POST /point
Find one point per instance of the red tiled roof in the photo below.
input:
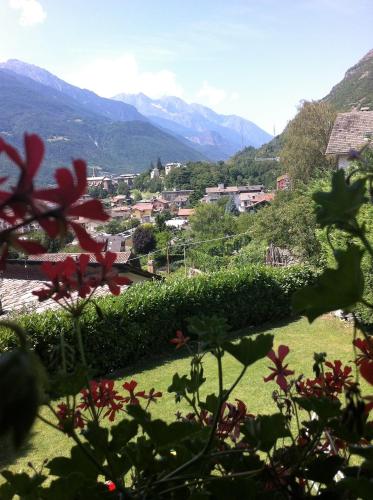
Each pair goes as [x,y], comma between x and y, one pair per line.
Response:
[185,212]
[122,257]
[143,206]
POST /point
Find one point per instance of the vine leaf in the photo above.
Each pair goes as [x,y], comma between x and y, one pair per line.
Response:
[335,289]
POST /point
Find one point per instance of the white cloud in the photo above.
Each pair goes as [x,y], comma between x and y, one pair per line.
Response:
[31,11]
[109,77]
[213,96]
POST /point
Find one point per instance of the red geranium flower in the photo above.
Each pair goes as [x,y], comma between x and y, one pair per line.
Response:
[366,348]
[132,399]
[66,196]
[103,396]
[110,276]
[151,397]
[21,196]
[179,340]
[280,372]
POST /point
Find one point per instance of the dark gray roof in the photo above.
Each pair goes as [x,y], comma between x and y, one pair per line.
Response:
[350,131]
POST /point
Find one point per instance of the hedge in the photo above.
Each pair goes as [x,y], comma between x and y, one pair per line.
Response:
[145,317]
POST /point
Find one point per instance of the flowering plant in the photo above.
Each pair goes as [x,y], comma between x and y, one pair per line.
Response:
[215,448]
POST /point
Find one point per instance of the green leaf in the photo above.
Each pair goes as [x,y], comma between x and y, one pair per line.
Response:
[163,434]
[20,484]
[335,289]
[212,330]
[323,469]
[179,384]
[236,489]
[264,431]
[122,433]
[20,390]
[77,463]
[248,351]
[342,203]
[210,404]
[361,488]
[70,384]
[324,408]
[78,487]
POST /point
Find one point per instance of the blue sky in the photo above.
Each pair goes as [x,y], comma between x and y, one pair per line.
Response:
[257,58]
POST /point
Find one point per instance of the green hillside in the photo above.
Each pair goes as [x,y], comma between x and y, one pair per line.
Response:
[356,88]
[71,130]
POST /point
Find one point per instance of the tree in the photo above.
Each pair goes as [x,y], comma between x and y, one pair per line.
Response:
[305,141]
[160,220]
[289,222]
[143,239]
[123,188]
[230,207]
[159,164]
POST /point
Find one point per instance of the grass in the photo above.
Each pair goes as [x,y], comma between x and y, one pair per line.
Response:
[326,334]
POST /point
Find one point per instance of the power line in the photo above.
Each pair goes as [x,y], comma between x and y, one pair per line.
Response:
[187,244]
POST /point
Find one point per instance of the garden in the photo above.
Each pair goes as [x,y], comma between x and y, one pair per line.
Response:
[244,407]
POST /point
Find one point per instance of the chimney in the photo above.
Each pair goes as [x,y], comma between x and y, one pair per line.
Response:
[151,266]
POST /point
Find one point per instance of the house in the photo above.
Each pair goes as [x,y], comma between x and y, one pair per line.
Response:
[213,194]
[171,166]
[120,212]
[171,196]
[283,182]
[126,178]
[185,213]
[103,182]
[159,204]
[251,201]
[154,174]
[119,200]
[143,210]
[351,131]
[22,277]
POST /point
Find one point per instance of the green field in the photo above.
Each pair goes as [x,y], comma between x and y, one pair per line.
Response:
[326,334]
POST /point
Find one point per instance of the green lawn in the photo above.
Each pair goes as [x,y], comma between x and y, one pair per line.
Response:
[327,334]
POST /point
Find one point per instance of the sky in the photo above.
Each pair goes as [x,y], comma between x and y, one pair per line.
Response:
[254,58]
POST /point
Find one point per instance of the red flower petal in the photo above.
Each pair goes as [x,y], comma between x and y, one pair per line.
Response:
[80,168]
[91,209]
[31,247]
[366,370]
[283,351]
[65,181]
[34,154]
[12,153]
[85,241]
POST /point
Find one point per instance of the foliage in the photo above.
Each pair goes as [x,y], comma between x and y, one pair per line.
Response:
[240,170]
[289,222]
[217,449]
[132,321]
[115,226]
[305,141]
[144,239]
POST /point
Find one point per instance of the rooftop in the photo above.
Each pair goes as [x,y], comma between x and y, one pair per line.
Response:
[350,131]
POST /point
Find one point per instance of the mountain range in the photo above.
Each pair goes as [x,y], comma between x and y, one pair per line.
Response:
[108,133]
[356,88]
[354,91]
[217,136]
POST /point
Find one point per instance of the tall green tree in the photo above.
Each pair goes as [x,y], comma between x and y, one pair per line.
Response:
[305,141]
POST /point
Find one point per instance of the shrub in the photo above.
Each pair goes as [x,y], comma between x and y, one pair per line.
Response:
[145,317]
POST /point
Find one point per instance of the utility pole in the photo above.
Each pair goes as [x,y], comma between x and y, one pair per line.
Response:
[185,266]
[168,257]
